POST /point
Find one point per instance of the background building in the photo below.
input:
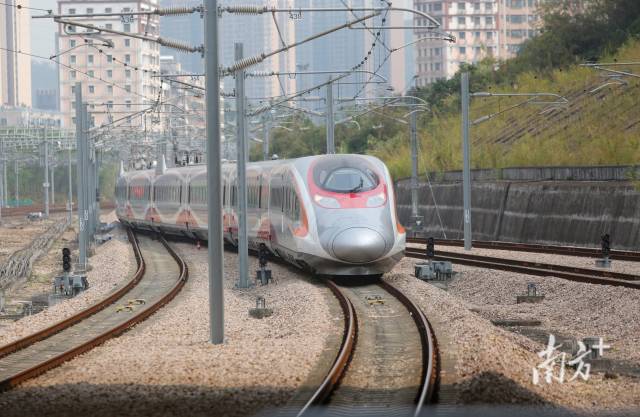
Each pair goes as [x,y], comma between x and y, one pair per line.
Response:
[188,29]
[26,117]
[15,69]
[116,80]
[184,125]
[488,28]
[259,34]
[340,50]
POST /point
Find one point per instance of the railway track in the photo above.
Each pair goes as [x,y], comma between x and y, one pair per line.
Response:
[529,247]
[158,279]
[387,362]
[591,276]
[58,208]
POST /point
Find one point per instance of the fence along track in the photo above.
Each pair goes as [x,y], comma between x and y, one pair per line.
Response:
[20,262]
[159,281]
[332,382]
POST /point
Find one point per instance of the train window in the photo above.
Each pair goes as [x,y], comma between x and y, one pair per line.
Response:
[345,174]
[348,180]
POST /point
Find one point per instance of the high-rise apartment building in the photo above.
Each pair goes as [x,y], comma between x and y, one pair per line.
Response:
[259,34]
[15,68]
[487,28]
[339,50]
[188,29]
[116,80]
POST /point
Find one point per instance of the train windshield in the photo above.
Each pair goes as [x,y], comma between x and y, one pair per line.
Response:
[345,175]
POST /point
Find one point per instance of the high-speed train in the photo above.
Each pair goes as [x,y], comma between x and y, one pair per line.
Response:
[329,214]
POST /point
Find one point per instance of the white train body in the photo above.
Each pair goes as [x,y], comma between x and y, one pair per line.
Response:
[330,214]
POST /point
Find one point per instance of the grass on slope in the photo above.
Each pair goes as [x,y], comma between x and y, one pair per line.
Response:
[601,128]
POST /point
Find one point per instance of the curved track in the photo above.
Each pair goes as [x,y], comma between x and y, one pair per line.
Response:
[162,277]
[591,276]
[387,363]
[620,255]
[58,208]
[76,318]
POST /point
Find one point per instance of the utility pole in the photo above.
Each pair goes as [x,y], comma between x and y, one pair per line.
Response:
[96,189]
[2,191]
[466,171]
[214,173]
[53,184]
[17,190]
[45,186]
[89,179]
[241,148]
[331,144]
[5,187]
[80,144]
[70,197]
[414,169]
[267,136]
[3,172]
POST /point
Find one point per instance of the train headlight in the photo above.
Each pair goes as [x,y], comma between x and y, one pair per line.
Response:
[376,200]
[327,202]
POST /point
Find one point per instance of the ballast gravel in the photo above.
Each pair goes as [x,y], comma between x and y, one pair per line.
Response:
[18,232]
[625,267]
[495,366]
[166,365]
[112,266]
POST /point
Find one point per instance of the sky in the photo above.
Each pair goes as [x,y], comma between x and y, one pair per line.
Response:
[43,31]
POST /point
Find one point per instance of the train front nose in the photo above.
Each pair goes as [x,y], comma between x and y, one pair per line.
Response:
[358,245]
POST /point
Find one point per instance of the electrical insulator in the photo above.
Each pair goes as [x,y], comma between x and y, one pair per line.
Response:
[66,259]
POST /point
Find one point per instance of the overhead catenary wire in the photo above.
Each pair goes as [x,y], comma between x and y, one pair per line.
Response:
[20,7]
[250,61]
[77,70]
[169,43]
[162,11]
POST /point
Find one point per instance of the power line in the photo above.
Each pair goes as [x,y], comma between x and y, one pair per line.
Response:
[77,70]
[20,7]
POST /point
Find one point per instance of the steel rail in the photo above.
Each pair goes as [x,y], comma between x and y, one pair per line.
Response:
[345,352]
[590,276]
[63,357]
[430,359]
[84,314]
[429,350]
[59,208]
[620,255]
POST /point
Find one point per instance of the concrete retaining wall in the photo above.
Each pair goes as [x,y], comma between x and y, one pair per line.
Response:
[594,173]
[549,212]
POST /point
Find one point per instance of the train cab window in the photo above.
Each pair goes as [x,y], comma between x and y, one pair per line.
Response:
[349,180]
[345,174]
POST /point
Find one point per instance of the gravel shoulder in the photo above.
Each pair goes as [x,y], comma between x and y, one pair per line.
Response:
[626,267]
[166,365]
[112,266]
[18,232]
[494,366]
